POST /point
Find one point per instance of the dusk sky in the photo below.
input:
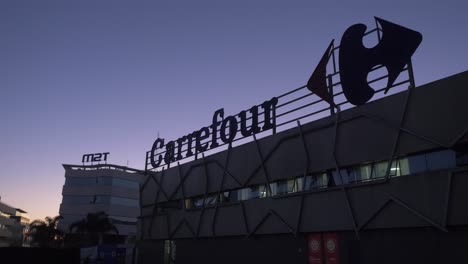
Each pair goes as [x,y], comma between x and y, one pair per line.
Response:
[93,76]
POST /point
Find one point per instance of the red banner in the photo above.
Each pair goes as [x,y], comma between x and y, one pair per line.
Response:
[332,252]
[314,248]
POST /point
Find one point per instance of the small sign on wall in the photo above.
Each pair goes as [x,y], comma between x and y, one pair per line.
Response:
[314,248]
[332,253]
[323,248]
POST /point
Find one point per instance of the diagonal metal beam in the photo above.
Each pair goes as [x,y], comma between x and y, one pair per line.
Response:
[448,193]
[244,216]
[374,214]
[398,133]
[415,212]
[215,214]
[262,163]
[350,210]
[155,207]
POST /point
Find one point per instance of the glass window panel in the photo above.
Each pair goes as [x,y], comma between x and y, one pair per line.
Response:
[104,180]
[231,196]
[253,192]
[323,180]
[263,191]
[350,175]
[273,188]
[441,160]
[198,202]
[281,187]
[188,203]
[364,172]
[395,169]
[125,183]
[124,201]
[292,185]
[379,170]
[404,166]
[316,181]
[299,184]
[344,177]
[417,163]
[358,174]
[211,200]
[462,158]
[75,181]
[242,194]
[72,199]
[124,219]
[68,219]
[102,199]
[258,191]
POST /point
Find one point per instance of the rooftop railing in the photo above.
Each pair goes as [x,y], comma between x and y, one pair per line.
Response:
[302,105]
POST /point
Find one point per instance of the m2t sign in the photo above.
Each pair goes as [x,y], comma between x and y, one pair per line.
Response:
[96,157]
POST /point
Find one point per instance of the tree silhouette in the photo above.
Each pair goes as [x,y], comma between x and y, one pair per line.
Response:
[95,225]
[44,233]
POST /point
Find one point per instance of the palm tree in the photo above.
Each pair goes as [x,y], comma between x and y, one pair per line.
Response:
[44,233]
[94,225]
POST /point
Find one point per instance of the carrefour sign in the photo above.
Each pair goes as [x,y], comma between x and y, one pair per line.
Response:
[393,52]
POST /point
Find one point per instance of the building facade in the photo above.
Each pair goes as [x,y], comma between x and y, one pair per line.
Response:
[384,182]
[101,188]
[13,226]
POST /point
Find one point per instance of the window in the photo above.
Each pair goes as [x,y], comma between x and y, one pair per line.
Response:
[404,166]
[126,183]
[125,201]
[68,219]
[73,199]
[75,181]
[228,197]
[441,160]
[124,218]
[188,203]
[105,199]
[315,181]
[349,175]
[102,199]
[462,156]
[259,191]
[104,180]
[357,174]
[286,186]
[198,202]
[208,201]
[379,170]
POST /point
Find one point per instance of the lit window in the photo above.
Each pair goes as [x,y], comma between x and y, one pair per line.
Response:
[286,186]
[259,191]
[379,170]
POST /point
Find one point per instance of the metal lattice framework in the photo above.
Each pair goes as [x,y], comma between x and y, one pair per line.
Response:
[294,107]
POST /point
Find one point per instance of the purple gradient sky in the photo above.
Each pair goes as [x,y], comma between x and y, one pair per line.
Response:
[92,76]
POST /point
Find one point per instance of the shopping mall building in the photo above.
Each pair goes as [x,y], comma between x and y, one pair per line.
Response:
[382,182]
